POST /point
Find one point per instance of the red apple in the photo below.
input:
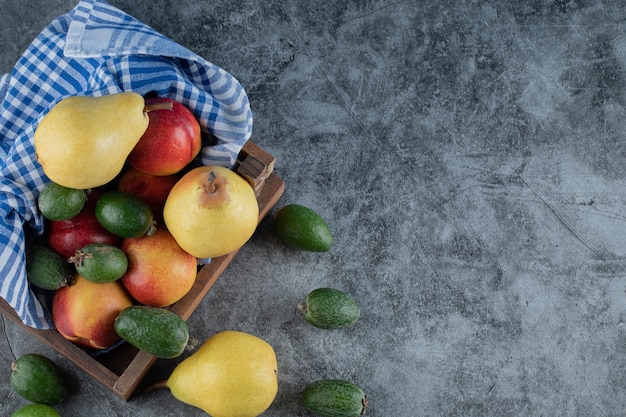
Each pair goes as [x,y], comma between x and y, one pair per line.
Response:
[153,189]
[171,141]
[67,236]
[84,313]
[159,271]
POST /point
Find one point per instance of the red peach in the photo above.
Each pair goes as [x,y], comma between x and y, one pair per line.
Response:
[85,312]
[159,271]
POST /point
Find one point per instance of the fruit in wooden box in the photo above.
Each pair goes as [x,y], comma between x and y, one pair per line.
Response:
[84,313]
[158,331]
[83,142]
[46,269]
[159,271]
[99,262]
[57,202]
[171,141]
[124,215]
[211,211]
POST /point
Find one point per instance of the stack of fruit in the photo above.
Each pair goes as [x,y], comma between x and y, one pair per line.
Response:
[128,216]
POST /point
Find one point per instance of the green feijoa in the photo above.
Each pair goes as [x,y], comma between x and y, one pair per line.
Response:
[47,269]
[155,330]
[328,308]
[38,379]
[36,410]
[100,262]
[57,202]
[124,214]
[303,228]
[334,398]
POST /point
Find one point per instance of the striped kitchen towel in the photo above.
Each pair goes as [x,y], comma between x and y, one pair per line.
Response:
[96,49]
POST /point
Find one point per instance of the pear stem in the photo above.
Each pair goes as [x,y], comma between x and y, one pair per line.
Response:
[210,187]
[165,105]
[156,385]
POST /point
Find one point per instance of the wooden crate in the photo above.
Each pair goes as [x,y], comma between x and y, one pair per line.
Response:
[122,369]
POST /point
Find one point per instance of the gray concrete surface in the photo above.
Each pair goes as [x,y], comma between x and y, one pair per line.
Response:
[470,158]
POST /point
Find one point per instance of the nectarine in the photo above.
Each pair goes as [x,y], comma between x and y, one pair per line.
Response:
[85,313]
[159,271]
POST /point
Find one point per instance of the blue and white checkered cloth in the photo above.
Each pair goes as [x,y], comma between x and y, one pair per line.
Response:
[94,50]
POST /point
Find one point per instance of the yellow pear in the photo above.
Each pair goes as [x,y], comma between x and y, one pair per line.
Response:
[211,211]
[233,374]
[83,142]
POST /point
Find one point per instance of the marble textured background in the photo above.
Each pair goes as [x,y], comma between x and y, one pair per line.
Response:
[470,158]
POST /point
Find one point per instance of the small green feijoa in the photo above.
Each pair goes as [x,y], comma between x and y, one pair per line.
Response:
[47,269]
[302,228]
[57,202]
[334,398]
[328,308]
[38,379]
[36,410]
[125,215]
[155,330]
[100,262]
